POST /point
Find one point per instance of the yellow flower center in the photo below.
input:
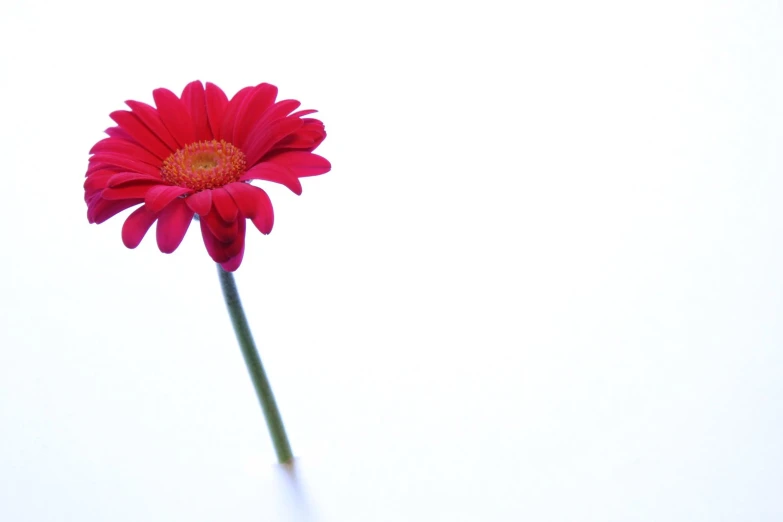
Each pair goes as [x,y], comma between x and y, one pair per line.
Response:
[204,165]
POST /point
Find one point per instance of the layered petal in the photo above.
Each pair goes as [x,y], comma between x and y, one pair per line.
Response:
[159,196]
[175,116]
[194,98]
[200,202]
[137,225]
[128,191]
[132,125]
[215,248]
[126,148]
[305,112]
[276,173]
[262,121]
[103,209]
[230,115]
[223,251]
[118,133]
[173,222]
[217,101]
[307,137]
[233,263]
[124,162]
[119,179]
[276,112]
[253,203]
[301,163]
[151,118]
[253,106]
[97,181]
[224,231]
[264,139]
[224,205]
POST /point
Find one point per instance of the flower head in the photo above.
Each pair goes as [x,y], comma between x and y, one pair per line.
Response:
[197,154]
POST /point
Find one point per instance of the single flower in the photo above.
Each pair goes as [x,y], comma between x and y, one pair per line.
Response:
[197,154]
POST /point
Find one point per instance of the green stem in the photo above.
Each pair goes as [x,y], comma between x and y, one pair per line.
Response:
[260,382]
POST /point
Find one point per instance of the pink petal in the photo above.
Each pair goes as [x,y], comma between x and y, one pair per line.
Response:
[273,113]
[150,116]
[253,106]
[159,196]
[233,263]
[279,110]
[224,205]
[299,114]
[307,138]
[253,203]
[104,209]
[230,114]
[127,148]
[262,140]
[122,178]
[195,101]
[92,200]
[96,166]
[103,171]
[125,163]
[302,163]
[132,125]
[117,132]
[134,191]
[220,252]
[216,106]
[175,116]
[136,226]
[98,181]
[223,231]
[173,223]
[276,173]
[105,174]
[200,202]
[215,248]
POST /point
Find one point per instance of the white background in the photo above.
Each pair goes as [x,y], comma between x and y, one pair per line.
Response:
[542,281]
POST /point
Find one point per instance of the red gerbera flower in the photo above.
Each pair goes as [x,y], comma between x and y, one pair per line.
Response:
[197,154]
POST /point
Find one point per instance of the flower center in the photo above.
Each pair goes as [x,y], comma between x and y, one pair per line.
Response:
[204,165]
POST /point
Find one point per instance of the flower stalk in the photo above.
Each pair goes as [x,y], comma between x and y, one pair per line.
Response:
[260,381]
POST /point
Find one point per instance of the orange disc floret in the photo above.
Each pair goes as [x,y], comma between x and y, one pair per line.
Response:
[204,165]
